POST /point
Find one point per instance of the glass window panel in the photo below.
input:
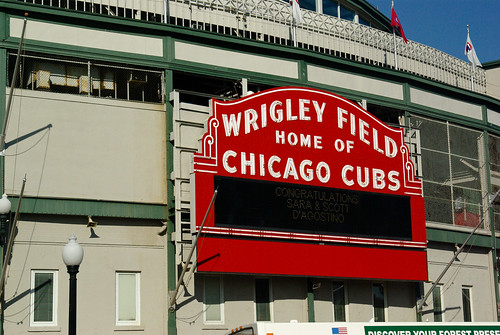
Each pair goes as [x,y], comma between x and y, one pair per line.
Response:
[213,299]
[437,303]
[494,149]
[438,210]
[43,309]
[308,4]
[363,22]
[339,302]
[464,142]
[127,298]
[466,304]
[467,199]
[434,190]
[495,174]
[433,134]
[435,166]
[378,303]
[330,8]
[468,207]
[465,172]
[496,216]
[262,300]
[346,14]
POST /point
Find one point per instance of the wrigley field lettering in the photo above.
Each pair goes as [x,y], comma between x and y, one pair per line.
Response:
[315,171]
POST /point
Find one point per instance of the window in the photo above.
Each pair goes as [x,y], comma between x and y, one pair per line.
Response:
[71,76]
[213,300]
[262,299]
[43,298]
[454,172]
[466,304]
[378,303]
[437,299]
[128,298]
[308,4]
[346,14]
[331,8]
[339,302]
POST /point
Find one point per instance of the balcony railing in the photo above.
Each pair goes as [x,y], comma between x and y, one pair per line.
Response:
[269,21]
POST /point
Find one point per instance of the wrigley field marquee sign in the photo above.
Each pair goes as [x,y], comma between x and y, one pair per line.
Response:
[308,183]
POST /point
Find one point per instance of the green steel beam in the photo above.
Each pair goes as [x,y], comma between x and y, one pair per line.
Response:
[170,212]
[310,301]
[448,236]
[89,207]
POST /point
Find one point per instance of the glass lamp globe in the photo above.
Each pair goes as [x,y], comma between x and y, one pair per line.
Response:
[5,205]
[72,252]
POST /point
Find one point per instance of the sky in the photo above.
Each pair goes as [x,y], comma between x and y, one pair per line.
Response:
[442,24]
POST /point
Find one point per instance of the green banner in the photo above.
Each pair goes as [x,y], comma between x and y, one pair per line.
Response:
[433,330]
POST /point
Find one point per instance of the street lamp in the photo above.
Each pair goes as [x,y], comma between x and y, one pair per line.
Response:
[5,206]
[72,255]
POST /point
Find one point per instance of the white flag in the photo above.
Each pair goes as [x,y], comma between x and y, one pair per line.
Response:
[296,11]
[471,53]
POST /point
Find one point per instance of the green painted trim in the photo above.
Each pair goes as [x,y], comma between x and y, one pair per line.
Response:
[302,71]
[492,219]
[3,26]
[32,205]
[310,301]
[3,97]
[485,115]
[171,266]
[3,107]
[450,236]
[491,65]
[169,49]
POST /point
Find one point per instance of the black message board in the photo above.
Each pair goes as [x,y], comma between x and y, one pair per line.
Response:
[264,205]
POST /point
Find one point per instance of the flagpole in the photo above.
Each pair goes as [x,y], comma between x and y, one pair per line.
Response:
[472,66]
[394,38]
[294,33]
[293,24]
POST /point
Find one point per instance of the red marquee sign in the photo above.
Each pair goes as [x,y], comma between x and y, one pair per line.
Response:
[309,184]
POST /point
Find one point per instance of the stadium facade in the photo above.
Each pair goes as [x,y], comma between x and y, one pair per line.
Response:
[113,132]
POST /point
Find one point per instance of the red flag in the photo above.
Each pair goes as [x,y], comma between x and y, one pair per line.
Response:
[395,23]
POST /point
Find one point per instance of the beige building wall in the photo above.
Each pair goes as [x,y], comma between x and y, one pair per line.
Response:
[473,269]
[493,82]
[121,245]
[86,148]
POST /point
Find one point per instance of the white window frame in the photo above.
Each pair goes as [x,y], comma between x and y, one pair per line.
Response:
[221,302]
[469,288]
[52,323]
[386,316]
[271,300]
[137,320]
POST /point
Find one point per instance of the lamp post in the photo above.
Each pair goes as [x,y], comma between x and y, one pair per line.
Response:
[5,206]
[72,255]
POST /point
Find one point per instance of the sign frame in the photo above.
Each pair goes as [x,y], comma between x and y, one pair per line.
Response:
[305,137]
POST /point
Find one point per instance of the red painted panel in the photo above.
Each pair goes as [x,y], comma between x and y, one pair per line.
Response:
[228,255]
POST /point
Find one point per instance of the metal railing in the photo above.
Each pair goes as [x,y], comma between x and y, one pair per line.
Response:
[269,21]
